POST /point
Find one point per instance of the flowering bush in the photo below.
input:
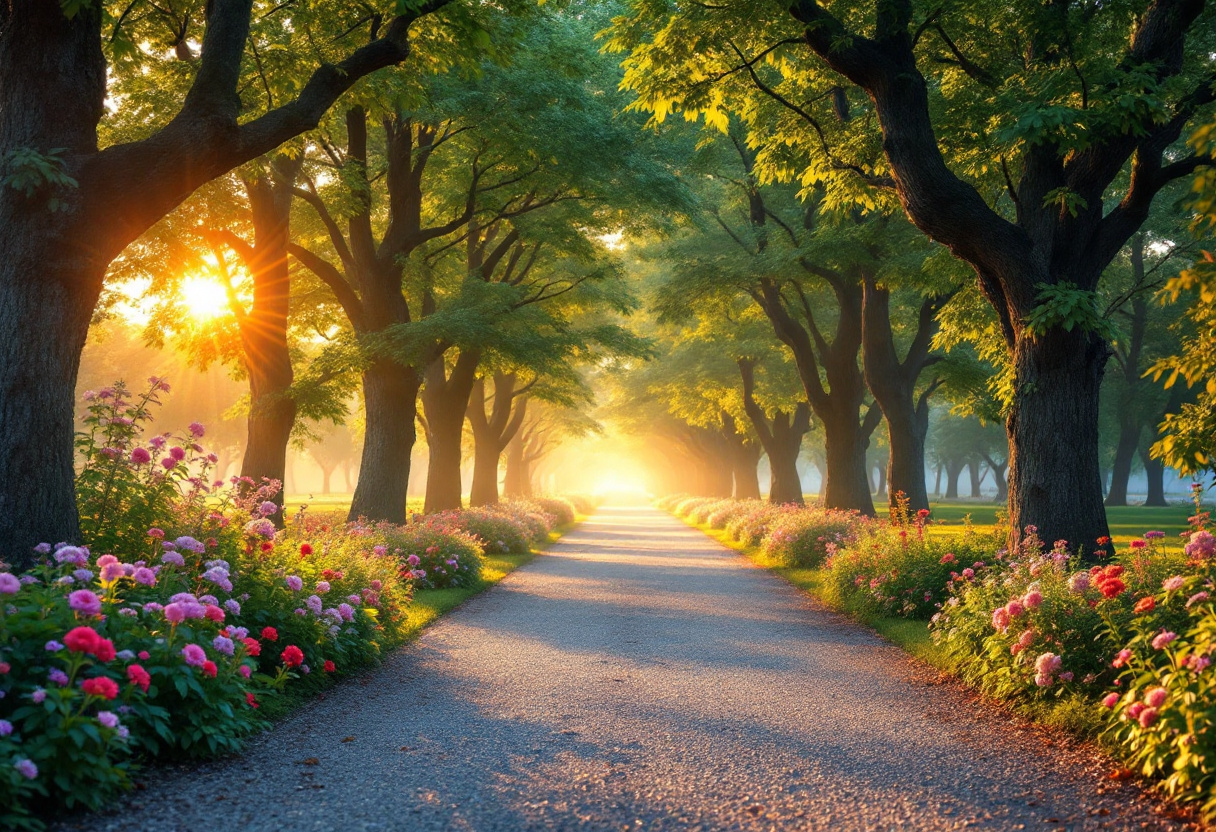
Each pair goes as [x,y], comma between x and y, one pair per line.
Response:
[727,510]
[583,503]
[560,509]
[803,537]
[531,516]
[896,569]
[433,551]
[753,524]
[497,531]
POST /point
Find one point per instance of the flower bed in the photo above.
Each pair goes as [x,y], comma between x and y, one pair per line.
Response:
[803,537]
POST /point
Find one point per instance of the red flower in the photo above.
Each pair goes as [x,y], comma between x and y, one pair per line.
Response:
[293,656]
[1145,604]
[209,668]
[306,549]
[1103,540]
[270,634]
[139,677]
[214,613]
[82,640]
[252,646]
[329,666]
[1112,587]
[267,546]
[104,651]
[251,700]
[101,686]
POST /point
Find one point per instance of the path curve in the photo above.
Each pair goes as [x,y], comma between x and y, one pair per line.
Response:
[640,676]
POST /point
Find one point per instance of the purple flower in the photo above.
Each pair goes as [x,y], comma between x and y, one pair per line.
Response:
[347,612]
[108,719]
[294,583]
[267,508]
[72,554]
[197,429]
[194,655]
[83,575]
[190,545]
[144,575]
[260,528]
[1162,639]
[413,560]
[85,601]
[232,606]
[26,769]
[322,587]
[174,558]
[43,548]
[354,599]
[53,646]
[38,696]
[152,606]
[6,727]
[314,603]
[58,677]
[9,585]
[223,644]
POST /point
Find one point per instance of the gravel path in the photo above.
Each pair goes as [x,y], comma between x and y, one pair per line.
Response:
[639,676]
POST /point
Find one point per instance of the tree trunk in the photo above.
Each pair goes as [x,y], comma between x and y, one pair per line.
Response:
[513,482]
[493,432]
[52,85]
[390,393]
[954,469]
[272,410]
[975,470]
[1054,479]
[326,472]
[880,487]
[484,489]
[746,475]
[998,476]
[1154,472]
[1125,452]
[445,400]
[846,484]
[937,482]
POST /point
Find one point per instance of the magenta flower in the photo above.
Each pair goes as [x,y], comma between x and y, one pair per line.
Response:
[322,587]
[294,583]
[1197,598]
[140,456]
[177,452]
[1121,658]
[145,576]
[26,769]
[169,463]
[175,613]
[1110,700]
[194,655]
[1162,639]
[111,572]
[9,585]
[108,719]
[85,601]
[197,429]
[1147,717]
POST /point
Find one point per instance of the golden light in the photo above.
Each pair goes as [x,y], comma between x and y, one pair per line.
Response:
[204,299]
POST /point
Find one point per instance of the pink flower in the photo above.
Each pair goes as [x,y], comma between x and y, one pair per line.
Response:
[140,456]
[1171,584]
[246,670]
[1162,639]
[1033,599]
[85,602]
[1197,598]
[26,769]
[1015,608]
[197,429]
[968,573]
[294,583]
[1201,546]
[175,613]
[194,655]
[1133,710]
[1121,658]
[111,572]
[1026,639]
[947,558]
[177,452]
[145,576]
[1155,698]
[169,463]
[9,584]
[1110,700]
[1048,663]
[1147,717]
[322,587]
[214,613]
[156,534]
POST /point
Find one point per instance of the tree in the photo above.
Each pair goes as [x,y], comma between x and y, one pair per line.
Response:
[493,431]
[69,206]
[1006,132]
[780,436]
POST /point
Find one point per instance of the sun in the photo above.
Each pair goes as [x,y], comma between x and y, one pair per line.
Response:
[203,298]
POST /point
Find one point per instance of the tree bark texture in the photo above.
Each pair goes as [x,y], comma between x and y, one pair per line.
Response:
[445,402]
[780,437]
[493,432]
[390,395]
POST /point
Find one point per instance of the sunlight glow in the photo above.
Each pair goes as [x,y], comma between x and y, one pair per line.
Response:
[204,298]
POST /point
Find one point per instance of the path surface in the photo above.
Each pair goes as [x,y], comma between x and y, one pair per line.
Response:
[639,676]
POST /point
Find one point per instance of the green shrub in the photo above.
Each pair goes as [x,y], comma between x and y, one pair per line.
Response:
[560,509]
[751,526]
